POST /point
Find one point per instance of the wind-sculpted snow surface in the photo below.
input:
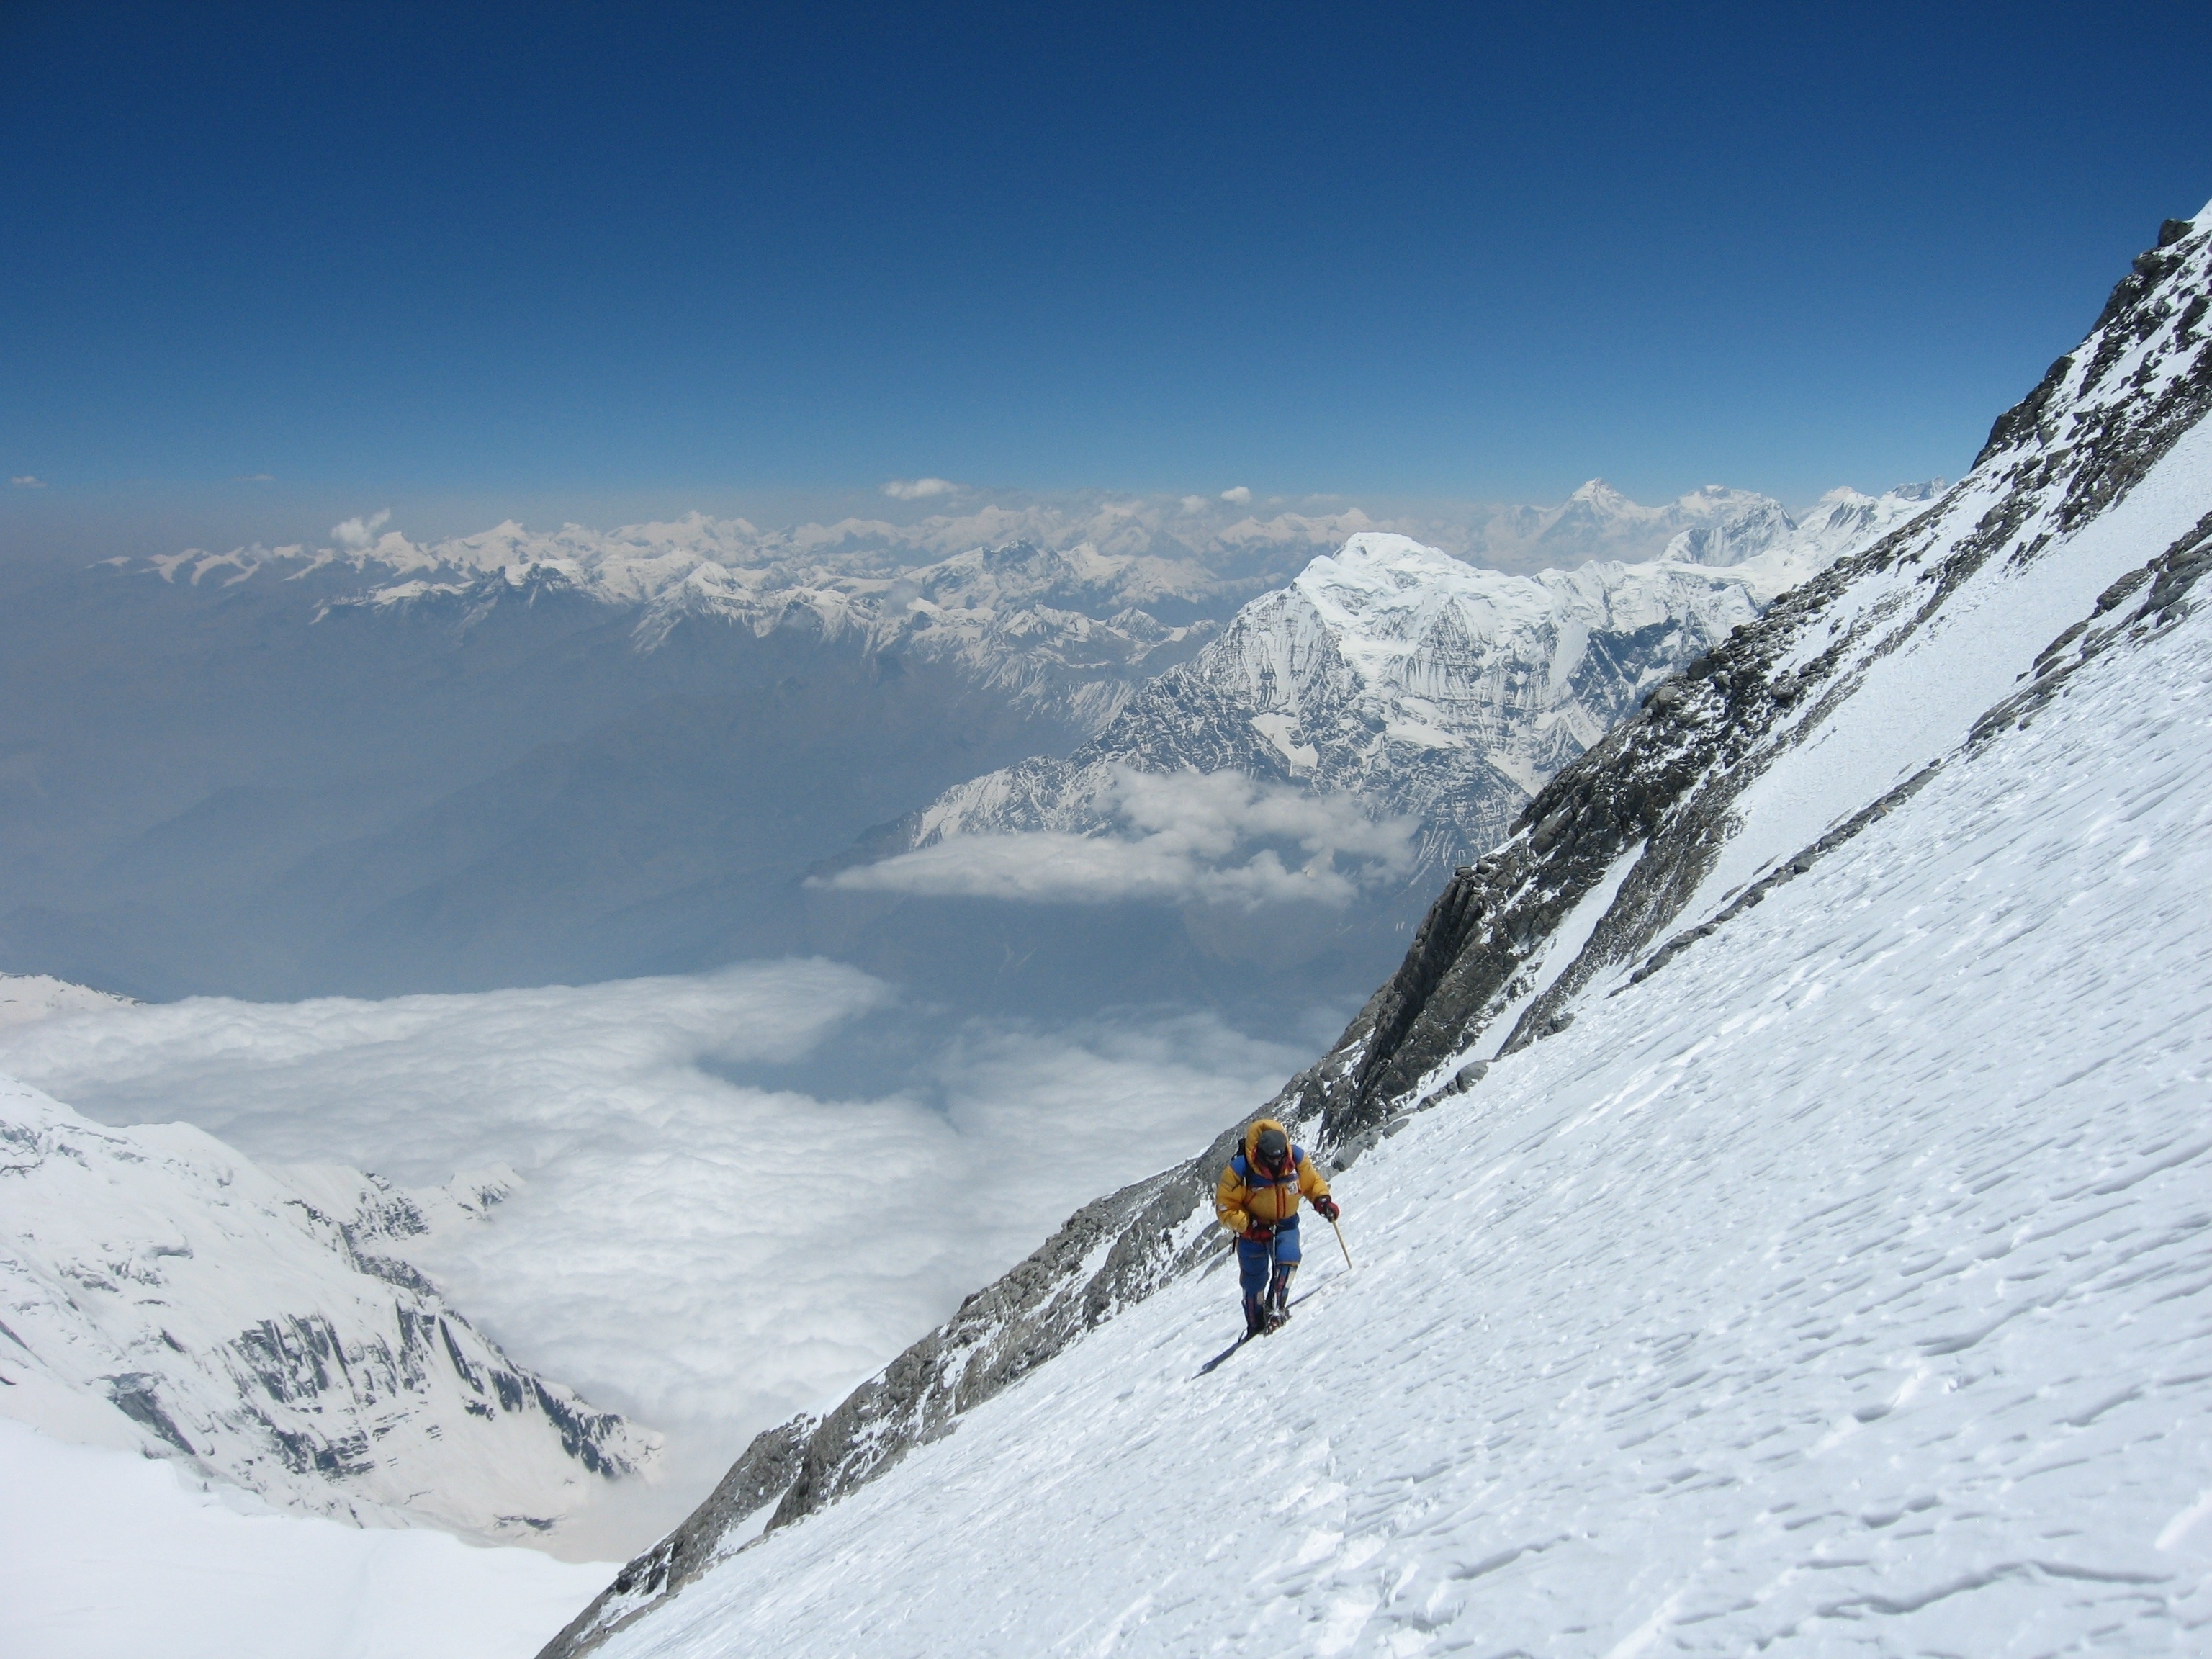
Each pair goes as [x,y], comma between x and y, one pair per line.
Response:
[267,1332]
[1776,1172]
[1849,1294]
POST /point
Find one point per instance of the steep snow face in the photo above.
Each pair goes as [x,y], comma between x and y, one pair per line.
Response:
[1420,686]
[1847,1285]
[264,1332]
[108,1555]
[1816,1076]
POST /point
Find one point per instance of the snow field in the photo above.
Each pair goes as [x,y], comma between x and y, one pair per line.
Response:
[107,1555]
[1845,1287]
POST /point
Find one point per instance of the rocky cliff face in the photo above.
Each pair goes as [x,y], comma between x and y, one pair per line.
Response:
[267,1331]
[2084,528]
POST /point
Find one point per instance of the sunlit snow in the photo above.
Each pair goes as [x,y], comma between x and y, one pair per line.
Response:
[1845,1287]
[119,1556]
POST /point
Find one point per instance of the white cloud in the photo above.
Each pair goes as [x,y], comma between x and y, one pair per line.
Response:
[916,489]
[1239,496]
[357,535]
[256,477]
[1215,838]
[1195,504]
[28,481]
[707,1255]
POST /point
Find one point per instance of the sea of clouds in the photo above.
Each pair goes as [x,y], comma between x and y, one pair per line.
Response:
[739,1192]
[1214,837]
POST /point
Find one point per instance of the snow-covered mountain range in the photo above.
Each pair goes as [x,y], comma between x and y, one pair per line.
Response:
[381,764]
[1419,686]
[163,1294]
[1067,610]
[1775,1175]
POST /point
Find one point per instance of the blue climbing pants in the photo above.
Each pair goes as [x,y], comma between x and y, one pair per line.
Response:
[1264,1291]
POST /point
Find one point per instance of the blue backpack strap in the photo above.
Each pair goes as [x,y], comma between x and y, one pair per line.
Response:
[1244,1169]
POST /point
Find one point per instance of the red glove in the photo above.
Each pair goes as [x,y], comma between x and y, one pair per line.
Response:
[1326,1205]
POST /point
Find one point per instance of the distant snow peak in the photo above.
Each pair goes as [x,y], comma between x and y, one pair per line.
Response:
[267,1328]
[1064,606]
[1394,678]
[27,996]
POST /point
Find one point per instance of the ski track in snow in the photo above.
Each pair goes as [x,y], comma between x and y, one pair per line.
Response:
[1847,1287]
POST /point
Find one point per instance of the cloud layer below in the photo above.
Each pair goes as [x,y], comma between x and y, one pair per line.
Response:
[1215,838]
[706,1253]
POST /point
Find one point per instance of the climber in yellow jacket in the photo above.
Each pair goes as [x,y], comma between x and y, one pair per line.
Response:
[1257,1199]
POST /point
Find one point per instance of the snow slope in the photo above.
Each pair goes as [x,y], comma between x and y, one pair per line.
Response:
[158,1291]
[108,1555]
[1818,1259]
[1848,1288]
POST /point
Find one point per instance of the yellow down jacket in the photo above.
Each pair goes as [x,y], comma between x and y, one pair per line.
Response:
[1246,1196]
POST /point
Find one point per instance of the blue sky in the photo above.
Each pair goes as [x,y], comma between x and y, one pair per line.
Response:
[670,254]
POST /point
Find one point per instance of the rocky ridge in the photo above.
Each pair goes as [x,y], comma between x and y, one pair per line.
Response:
[1649,843]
